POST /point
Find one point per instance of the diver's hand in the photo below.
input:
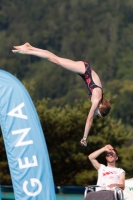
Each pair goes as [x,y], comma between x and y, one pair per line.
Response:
[83,142]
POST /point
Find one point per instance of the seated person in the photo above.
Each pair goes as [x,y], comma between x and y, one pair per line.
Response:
[109,176]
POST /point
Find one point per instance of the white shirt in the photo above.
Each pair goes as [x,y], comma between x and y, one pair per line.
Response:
[108,175]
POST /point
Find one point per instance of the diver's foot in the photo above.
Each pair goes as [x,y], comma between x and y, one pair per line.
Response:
[22,49]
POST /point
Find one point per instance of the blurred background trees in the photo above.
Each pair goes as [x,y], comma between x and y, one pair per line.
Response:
[96,31]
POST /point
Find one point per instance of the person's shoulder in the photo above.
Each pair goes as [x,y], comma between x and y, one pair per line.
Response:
[120,170]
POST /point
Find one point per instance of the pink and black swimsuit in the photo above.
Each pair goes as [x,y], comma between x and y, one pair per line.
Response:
[87,77]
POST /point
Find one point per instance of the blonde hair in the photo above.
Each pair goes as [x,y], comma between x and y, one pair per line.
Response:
[104,107]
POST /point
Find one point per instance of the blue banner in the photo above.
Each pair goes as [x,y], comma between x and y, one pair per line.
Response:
[24,142]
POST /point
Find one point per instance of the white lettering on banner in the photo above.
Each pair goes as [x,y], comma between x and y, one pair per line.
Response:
[33,181]
[17,112]
[24,132]
[27,164]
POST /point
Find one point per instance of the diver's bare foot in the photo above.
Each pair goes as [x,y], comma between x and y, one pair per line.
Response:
[22,49]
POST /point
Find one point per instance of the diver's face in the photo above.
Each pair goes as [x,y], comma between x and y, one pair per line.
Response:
[97,112]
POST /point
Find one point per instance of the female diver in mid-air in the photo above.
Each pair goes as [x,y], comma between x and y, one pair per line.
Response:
[100,106]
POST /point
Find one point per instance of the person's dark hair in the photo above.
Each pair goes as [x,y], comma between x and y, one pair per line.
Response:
[116,152]
[104,107]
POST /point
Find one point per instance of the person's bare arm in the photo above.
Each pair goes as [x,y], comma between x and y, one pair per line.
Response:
[92,157]
[88,124]
[90,119]
[95,102]
[121,182]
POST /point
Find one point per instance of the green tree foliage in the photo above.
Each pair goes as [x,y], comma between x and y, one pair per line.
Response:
[123,107]
[127,161]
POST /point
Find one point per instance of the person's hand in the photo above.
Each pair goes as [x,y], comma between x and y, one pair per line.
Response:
[22,49]
[83,142]
[112,185]
[108,148]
